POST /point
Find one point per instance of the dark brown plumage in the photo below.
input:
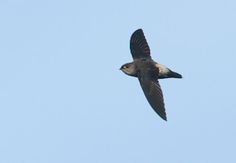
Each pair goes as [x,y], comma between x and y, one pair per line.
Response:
[138,45]
[148,78]
[148,72]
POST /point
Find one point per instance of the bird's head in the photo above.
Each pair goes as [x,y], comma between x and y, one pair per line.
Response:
[129,69]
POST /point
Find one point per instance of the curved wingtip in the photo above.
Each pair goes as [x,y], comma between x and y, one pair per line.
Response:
[138,30]
[164,118]
[162,115]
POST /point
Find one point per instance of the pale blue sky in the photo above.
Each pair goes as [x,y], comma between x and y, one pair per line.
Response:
[63,98]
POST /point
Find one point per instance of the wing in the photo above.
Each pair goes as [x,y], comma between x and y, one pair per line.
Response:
[152,91]
[138,45]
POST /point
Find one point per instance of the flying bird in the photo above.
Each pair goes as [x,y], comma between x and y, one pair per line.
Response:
[148,72]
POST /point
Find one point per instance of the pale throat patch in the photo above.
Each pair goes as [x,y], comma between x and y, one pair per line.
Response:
[130,70]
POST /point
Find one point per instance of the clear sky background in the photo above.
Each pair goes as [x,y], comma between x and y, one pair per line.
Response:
[64,99]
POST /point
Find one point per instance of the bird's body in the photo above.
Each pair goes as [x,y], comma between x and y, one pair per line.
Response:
[148,72]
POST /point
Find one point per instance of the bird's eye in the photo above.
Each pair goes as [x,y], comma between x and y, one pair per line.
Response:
[124,67]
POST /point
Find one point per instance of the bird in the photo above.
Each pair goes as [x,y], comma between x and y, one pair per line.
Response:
[148,72]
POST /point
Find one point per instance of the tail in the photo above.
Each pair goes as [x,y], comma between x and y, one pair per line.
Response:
[173,74]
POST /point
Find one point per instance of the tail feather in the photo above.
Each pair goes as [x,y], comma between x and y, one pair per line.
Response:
[173,74]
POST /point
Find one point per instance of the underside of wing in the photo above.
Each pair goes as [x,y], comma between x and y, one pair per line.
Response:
[138,45]
[153,93]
